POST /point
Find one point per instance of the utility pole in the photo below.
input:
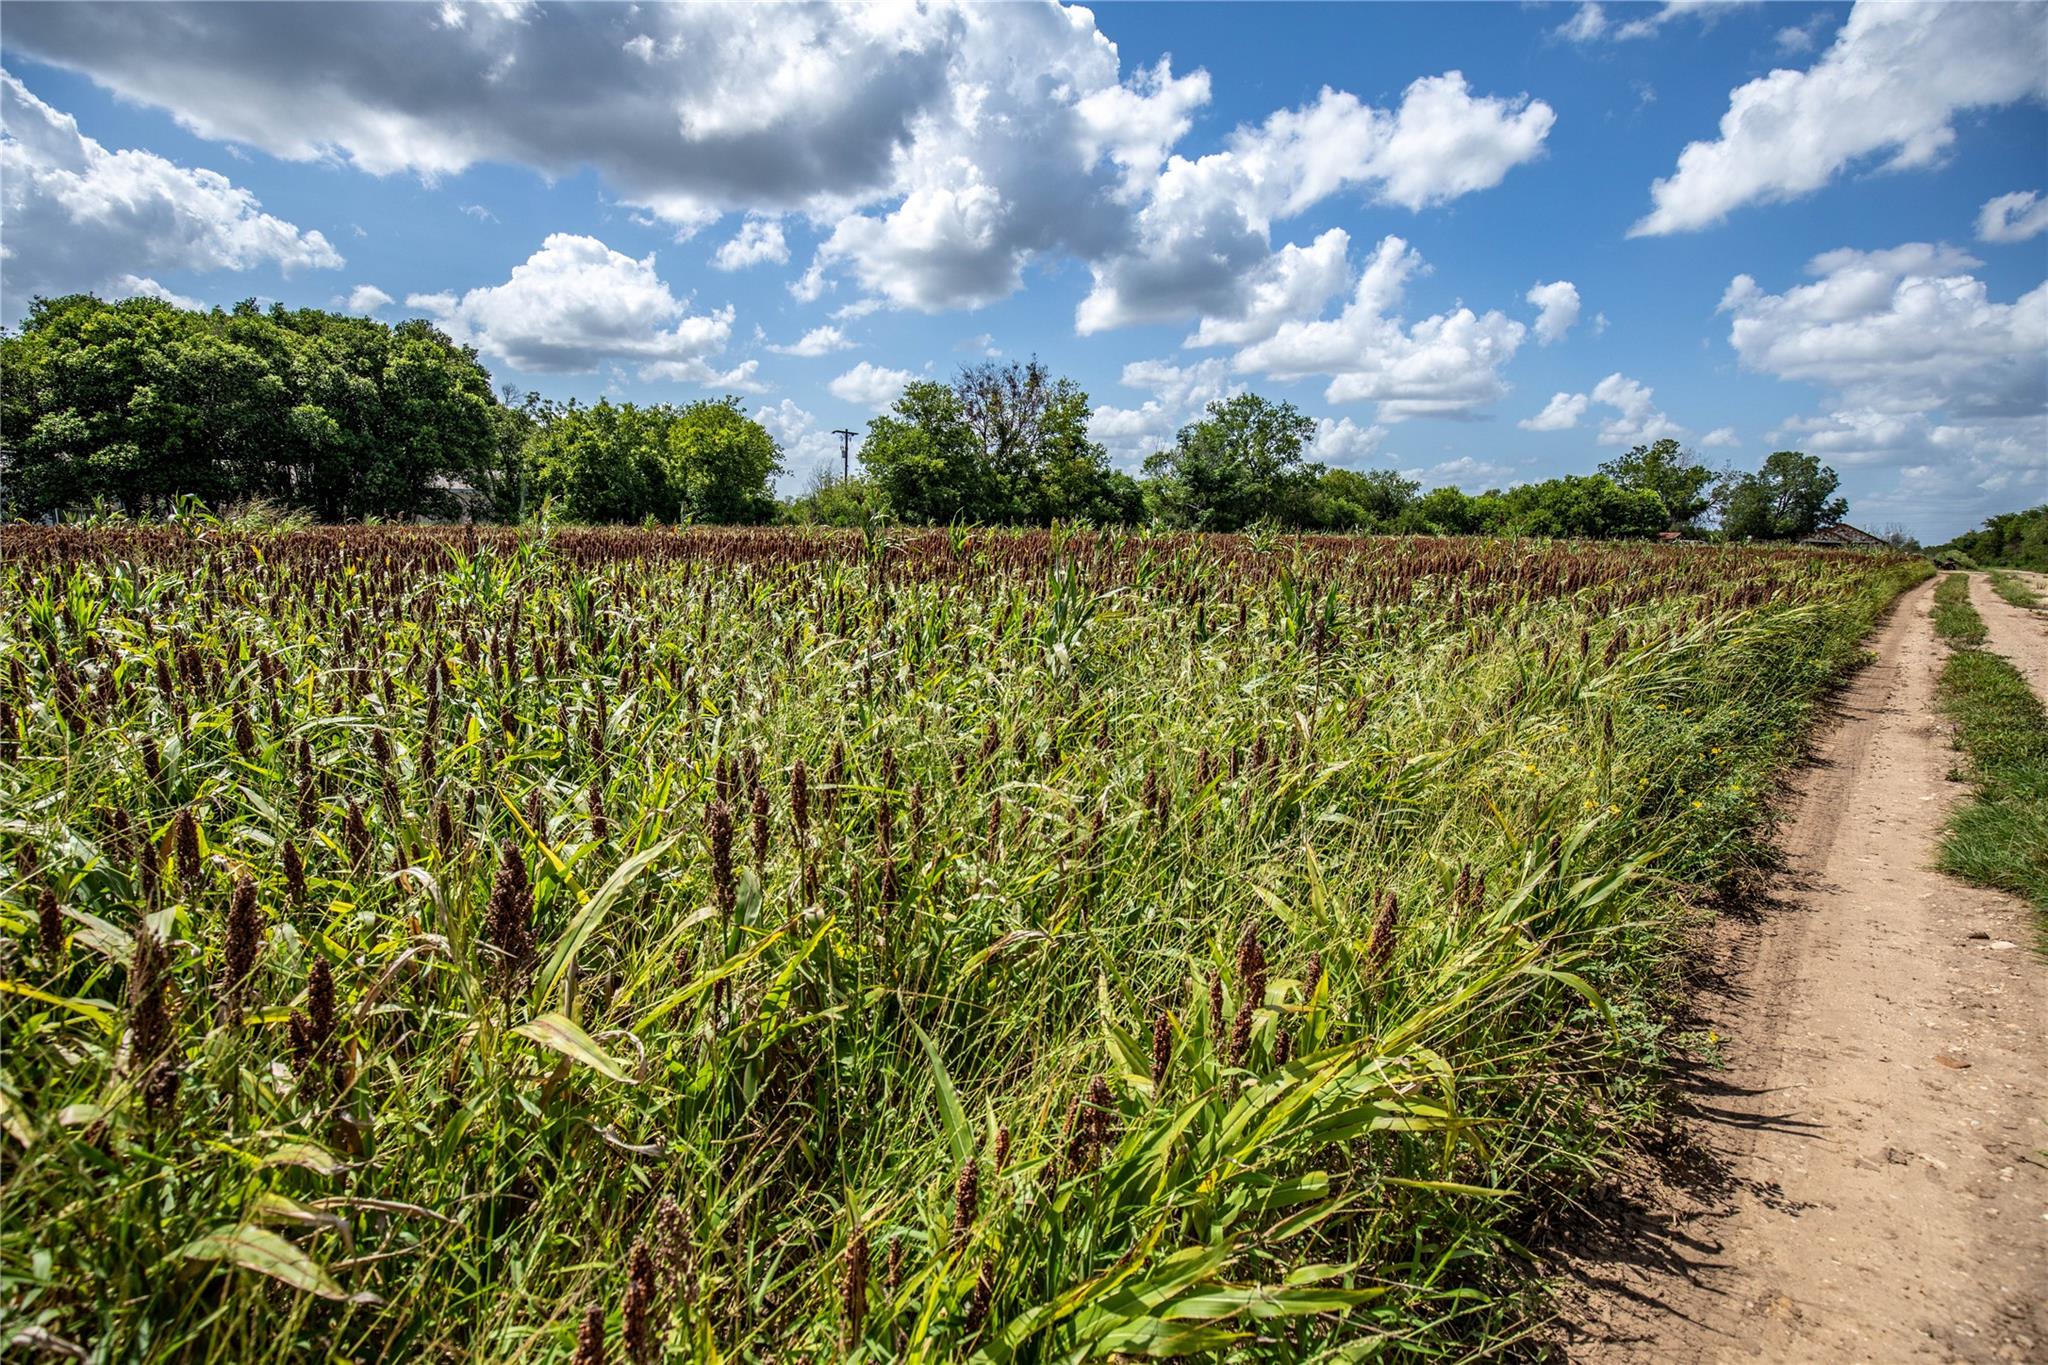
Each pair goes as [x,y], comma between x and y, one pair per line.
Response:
[845,453]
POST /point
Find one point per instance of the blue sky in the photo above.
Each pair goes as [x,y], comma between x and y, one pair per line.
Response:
[1482,244]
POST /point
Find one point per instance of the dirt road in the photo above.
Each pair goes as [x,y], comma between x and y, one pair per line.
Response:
[1866,1176]
[2019,634]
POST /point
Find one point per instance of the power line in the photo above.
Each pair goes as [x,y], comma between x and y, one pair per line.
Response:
[845,452]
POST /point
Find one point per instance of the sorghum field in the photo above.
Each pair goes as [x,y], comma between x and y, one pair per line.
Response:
[776,945]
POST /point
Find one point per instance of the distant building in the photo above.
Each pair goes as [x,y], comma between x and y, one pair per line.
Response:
[1843,536]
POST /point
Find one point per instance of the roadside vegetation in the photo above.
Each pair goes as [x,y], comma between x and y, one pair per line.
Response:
[2014,589]
[2000,836]
[1955,620]
[777,944]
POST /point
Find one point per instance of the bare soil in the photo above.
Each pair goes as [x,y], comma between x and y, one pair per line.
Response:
[1861,1174]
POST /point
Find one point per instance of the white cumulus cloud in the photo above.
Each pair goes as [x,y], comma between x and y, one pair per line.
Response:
[1202,239]
[1892,83]
[1444,365]
[142,286]
[576,303]
[2013,217]
[1636,420]
[367,298]
[759,240]
[816,342]
[1341,441]
[870,385]
[939,148]
[1923,372]
[1294,282]
[79,216]
[1561,413]
[1590,21]
[1178,395]
[1557,306]
[1906,329]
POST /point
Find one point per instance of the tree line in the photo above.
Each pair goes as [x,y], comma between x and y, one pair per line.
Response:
[134,403]
[2011,540]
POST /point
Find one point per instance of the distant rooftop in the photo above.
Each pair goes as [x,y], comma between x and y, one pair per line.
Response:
[1842,533]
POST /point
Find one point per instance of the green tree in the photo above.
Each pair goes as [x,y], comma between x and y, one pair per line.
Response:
[1353,500]
[1242,462]
[1674,474]
[1000,444]
[603,463]
[139,401]
[1444,511]
[718,461]
[830,501]
[1791,496]
[1591,507]
[925,458]
[2017,540]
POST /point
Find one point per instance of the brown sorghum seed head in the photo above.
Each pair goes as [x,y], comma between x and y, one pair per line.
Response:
[1101,1113]
[508,925]
[1251,967]
[1002,1148]
[243,937]
[149,1021]
[894,1278]
[536,814]
[185,846]
[1080,1136]
[1379,949]
[800,798]
[720,828]
[355,835]
[853,1282]
[1283,1046]
[1313,977]
[600,828]
[294,872]
[1241,1035]
[978,1299]
[1215,1005]
[636,1310]
[50,928]
[672,1237]
[311,1031]
[146,869]
[590,1338]
[1162,1051]
[966,1197]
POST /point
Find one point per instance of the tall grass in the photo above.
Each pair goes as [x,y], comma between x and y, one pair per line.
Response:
[2000,836]
[2014,589]
[770,945]
[1955,620]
